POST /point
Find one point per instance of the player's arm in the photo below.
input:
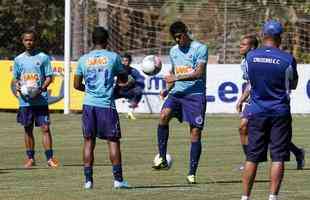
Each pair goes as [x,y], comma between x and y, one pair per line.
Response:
[48,71]
[78,83]
[245,95]
[16,75]
[124,79]
[46,83]
[78,77]
[293,78]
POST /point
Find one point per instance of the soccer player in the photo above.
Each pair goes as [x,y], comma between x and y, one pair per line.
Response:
[272,74]
[247,43]
[98,68]
[187,95]
[33,67]
[132,89]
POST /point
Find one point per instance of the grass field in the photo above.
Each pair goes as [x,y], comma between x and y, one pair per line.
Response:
[217,175]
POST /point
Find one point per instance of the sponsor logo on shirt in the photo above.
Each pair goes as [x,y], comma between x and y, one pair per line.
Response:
[183,70]
[97,61]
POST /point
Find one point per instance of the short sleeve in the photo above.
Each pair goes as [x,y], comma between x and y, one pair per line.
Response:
[47,67]
[118,66]
[79,68]
[202,54]
[16,70]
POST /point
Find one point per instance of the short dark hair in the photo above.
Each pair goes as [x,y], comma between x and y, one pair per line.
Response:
[100,35]
[29,31]
[178,27]
[128,56]
[253,40]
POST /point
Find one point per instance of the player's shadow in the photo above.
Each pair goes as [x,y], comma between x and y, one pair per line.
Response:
[294,169]
[232,182]
[160,186]
[82,165]
[22,169]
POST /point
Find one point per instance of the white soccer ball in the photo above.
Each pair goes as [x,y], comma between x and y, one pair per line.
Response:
[151,65]
[168,158]
[29,91]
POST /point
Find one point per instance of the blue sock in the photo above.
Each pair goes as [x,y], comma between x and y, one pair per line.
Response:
[49,154]
[30,154]
[245,149]
[117,172]
[88,173]
[162,140]
[194,157]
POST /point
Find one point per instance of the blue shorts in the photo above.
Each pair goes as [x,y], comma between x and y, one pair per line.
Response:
[134,94]
[190,108]
[245,113]
[272,132]
[100,122]
[39,115]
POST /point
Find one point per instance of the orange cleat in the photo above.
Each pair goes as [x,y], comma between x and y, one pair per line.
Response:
[29,163]
[53,163]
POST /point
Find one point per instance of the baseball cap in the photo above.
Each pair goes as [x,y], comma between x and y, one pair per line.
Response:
[272,28]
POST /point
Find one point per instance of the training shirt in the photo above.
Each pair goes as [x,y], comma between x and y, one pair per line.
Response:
[98,68]
[271,72]
[32,70]
[185,61]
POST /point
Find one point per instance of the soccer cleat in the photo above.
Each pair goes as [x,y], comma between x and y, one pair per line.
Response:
[29,163]
[301,160]
[191,179]
[53,163]
[121,184]
[88,185]
[131,116]
[160,164]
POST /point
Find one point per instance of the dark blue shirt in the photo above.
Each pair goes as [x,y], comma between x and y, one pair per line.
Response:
[272,73]
[139,79]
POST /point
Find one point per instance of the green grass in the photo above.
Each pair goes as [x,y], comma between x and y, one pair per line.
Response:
[217,177]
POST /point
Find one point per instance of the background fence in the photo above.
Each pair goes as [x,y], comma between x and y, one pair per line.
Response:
[141,26]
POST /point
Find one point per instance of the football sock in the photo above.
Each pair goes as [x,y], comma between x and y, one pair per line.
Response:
[30,154]
[117,172]
[273,197]
[49,154]
[294,149]
[194,157]
[243,197]
[162,140]
[88,173]
[245,149]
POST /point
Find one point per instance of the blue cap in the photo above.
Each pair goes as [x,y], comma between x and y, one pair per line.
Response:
[272,28]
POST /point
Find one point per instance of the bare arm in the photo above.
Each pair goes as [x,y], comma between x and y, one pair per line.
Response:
[46,83]
[245,95]
[78,83]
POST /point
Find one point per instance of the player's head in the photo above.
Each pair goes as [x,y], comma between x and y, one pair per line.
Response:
[248,43]
[179,32]
[100,36]
[29,38]
[272,30]
[126,59]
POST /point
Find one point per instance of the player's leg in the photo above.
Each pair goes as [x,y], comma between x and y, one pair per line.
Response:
[163,131]
[280,139]
[243,131]
[116,160]
[134,96]
[195,152]
[42,119]
[26,119]
[29,144]
[88,159]
[248,178]
[299,154]
[258,139]
[89,127]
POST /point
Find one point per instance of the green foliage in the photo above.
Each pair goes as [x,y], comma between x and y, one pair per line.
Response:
[45,17]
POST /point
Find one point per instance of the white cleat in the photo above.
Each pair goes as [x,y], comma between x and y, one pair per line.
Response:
[88,185]
[131,116]
[121,184]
